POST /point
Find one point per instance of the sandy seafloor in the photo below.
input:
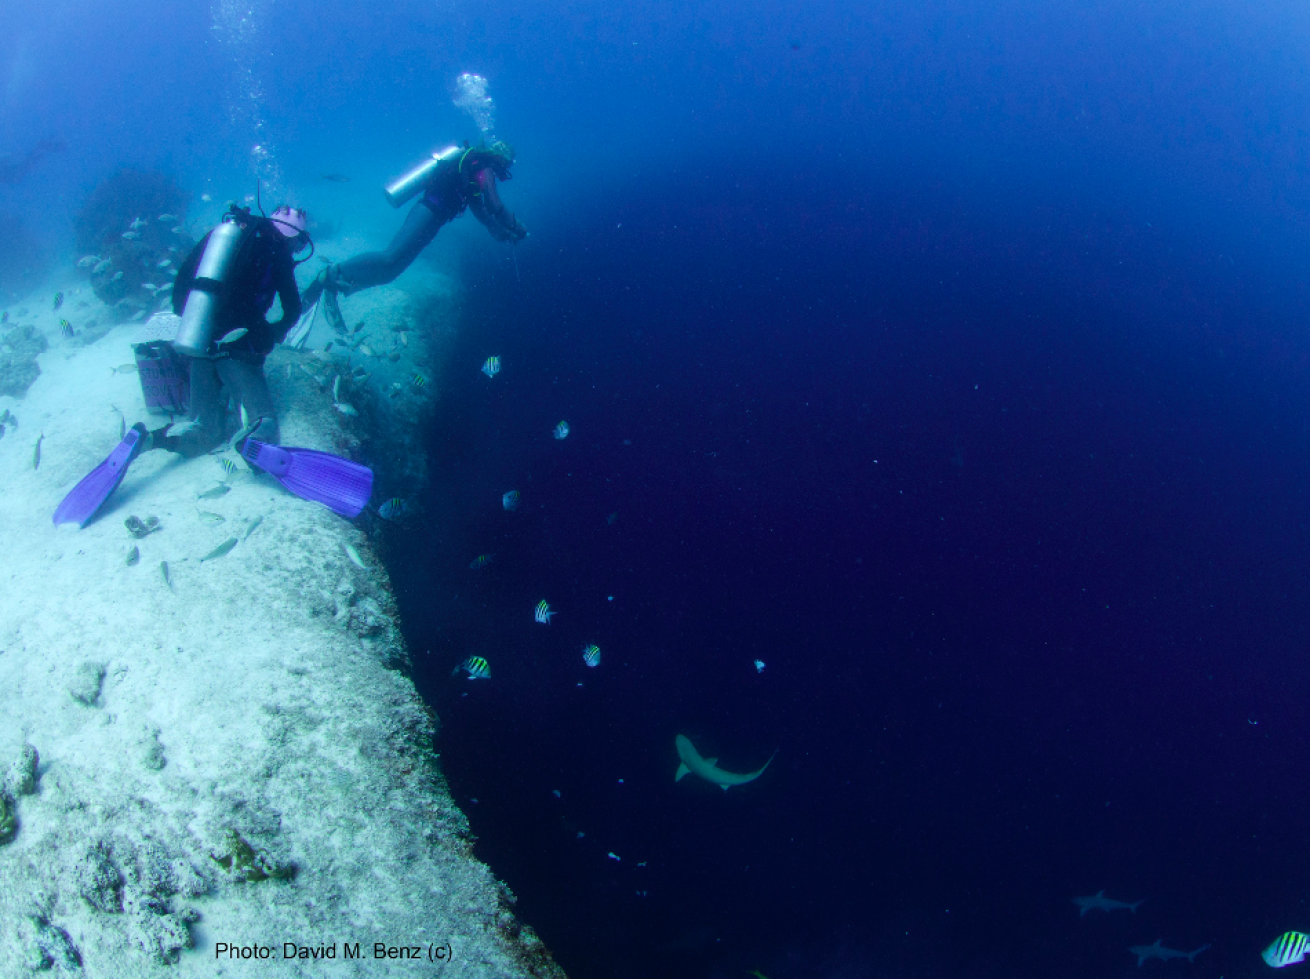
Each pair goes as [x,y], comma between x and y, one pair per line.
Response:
[259,695]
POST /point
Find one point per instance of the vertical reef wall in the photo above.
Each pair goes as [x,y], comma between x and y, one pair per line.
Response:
[208,737]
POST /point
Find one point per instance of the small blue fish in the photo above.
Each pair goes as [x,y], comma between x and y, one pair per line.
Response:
[510,501]
[543,613]
[481,561]
[66,328]
[1289,949]
[492,367]
[393,509]
[591,655]
[561,431]
[59,299]
[131,235]
[476,667]
[232,336]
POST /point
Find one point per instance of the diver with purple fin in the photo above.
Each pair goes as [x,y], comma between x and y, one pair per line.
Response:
[223,292]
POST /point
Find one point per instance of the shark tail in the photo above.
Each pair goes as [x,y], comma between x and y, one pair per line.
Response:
[1193,955]
[1135,905]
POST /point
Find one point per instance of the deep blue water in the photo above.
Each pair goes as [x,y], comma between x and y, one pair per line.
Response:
[948,358]
[1019,534]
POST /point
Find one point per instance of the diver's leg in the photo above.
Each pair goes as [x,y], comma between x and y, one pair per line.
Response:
[208,414]
[248,383]
[377,268]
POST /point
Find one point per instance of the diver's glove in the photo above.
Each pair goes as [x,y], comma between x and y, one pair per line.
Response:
[507,232]
[329,280]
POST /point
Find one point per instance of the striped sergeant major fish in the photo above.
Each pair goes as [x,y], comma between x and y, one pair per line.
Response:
[543,613]
[476,667]
[510,501]
[492,367]
[1288,948]
[393,509]
[591,655]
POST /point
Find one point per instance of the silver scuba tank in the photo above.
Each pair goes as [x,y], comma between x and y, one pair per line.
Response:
[409,184]
[206,297]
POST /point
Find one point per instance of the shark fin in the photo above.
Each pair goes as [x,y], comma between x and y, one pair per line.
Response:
[682,770]
[712,762]
[725,787]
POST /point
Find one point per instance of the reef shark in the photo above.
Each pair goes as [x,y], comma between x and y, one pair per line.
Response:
[707,768]
[1158,951]
[1099,902]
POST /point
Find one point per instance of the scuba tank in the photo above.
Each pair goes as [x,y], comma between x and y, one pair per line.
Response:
[197,327]
[409,184]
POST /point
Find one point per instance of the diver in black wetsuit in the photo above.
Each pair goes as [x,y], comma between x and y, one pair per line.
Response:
[454,179]
[264,268]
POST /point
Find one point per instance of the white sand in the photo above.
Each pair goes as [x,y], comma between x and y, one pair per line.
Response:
[253,694]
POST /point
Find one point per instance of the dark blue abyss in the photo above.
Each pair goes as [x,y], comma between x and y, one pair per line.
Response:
[1007,493]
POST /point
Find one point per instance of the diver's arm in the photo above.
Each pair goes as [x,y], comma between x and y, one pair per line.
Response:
[486,206]
[289,295]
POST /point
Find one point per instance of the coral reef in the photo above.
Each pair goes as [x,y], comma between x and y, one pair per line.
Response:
[18,352]
[46,945]
[20,777]
[8,819]
[84,685]
[152,752]
[134,250]
[246,863]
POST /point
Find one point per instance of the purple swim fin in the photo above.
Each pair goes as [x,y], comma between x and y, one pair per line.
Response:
[88,496]
[339,484]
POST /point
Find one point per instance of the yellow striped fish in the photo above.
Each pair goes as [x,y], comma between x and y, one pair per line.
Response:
[476,667]
[1288,949]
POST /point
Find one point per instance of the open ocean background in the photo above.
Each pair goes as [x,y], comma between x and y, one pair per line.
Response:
[950,358]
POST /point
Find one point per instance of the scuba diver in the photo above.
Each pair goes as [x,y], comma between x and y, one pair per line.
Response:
[223,292]
[451,180]
[228,340]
